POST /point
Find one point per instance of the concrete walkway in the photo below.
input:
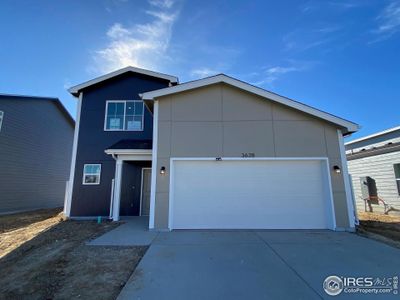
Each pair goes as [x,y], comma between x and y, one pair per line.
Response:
[134,232]
[256,265]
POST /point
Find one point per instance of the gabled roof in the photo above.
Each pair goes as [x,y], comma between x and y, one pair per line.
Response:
[222,78]
[374,135]
[56,101]
[77,88]
[388,148]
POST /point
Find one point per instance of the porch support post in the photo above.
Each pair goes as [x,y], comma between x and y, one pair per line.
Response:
[117,189]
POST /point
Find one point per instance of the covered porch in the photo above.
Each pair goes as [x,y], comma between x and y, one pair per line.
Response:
[131,187]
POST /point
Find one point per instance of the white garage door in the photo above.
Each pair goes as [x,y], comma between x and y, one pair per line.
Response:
[250,194]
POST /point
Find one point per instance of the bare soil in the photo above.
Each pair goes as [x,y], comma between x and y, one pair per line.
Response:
[43,256]
[385,228]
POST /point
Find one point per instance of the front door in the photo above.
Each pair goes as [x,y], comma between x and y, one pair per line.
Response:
[146,185]
[131,187]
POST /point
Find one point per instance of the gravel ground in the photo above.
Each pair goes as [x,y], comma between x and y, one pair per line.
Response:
[46,257]
[385,228]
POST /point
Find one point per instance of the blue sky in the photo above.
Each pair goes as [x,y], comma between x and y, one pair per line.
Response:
[341,56]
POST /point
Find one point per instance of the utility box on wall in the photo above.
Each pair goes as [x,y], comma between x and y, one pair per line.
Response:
[369,190]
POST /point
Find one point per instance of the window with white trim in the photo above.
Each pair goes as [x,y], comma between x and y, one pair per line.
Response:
[396,168]
[124,115]
[1,118]
[91,173]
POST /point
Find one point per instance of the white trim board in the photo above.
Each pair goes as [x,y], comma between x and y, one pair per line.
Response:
[154,167]
[141,189]
[347,185]
[68,199]
[77,88]
[117,189]
[324,164]
[131,154]
[222,78]
[129,151]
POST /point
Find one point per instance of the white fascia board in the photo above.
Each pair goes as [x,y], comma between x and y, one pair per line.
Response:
[129,151]
[75,89]
[221,78]
[373,135]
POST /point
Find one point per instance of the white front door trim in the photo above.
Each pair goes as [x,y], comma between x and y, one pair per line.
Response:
[324,160]
[141,190]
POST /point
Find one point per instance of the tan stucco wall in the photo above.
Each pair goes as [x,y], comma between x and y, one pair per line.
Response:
[223,121]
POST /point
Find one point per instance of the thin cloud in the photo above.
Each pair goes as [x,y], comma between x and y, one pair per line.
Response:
[340,5]
[305,39]
[389,22]
[142,45]
[220,58]
[328,29]
[162,3]
[203,72]
[270,75]
[67,83]
[274,73]
[345,4]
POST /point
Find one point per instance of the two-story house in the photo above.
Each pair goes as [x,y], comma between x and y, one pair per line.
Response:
[36,135]
[113,120]
[213,153]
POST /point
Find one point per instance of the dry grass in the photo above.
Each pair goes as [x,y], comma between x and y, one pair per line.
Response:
[45,257]
[18,229]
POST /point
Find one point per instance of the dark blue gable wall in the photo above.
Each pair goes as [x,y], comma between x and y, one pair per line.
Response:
[94,200]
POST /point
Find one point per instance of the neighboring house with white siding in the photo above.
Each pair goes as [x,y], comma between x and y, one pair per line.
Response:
[376,156]
[36,135]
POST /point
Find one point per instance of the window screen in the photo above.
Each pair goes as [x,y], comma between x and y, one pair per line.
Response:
[124,115]
[91,173]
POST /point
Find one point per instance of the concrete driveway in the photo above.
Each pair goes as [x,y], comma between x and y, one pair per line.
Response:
[257,265]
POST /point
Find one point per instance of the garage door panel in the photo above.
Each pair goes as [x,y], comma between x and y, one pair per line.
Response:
[248,195]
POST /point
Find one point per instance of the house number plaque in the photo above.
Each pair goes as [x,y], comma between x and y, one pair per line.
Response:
[248,154]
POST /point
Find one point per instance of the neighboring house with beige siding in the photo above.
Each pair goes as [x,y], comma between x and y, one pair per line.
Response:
[376,156]
[36,135]
[228,155]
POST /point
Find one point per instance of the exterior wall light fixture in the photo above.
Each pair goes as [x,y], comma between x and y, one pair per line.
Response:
[337,169]
[162,170]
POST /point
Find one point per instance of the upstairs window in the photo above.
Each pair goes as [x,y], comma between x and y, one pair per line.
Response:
[1,118]
[91,173]
[124,115]
[396,168]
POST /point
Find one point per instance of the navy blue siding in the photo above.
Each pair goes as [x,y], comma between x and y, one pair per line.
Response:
[94,200]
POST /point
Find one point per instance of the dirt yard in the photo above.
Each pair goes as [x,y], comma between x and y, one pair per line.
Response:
[385,228]
[44,257]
